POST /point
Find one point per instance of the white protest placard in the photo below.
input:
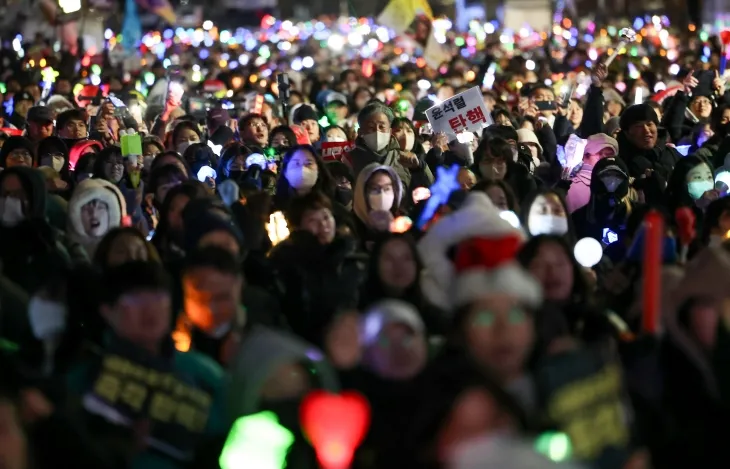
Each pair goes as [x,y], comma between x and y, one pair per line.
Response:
[464,112]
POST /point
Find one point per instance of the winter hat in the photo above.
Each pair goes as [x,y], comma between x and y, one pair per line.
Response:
[450,285]
[598,142]
[637,113]
[305,113]
[204,216]
[15,143]
[487,265]
[528,136]
[387,312]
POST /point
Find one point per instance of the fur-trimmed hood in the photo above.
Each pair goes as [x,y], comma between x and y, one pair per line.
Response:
[360,203]
[84,193]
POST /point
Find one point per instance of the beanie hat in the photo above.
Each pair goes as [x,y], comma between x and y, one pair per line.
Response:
[506,132]
[637,113]
[305,113]
[15,143]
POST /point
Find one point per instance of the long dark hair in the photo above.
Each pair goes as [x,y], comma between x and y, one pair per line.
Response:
[325,183]
[374,289]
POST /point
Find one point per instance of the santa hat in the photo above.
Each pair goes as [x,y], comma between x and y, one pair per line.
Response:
[486,266]
[477,221]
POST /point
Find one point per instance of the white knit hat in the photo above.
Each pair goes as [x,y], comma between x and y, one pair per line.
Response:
[486,266]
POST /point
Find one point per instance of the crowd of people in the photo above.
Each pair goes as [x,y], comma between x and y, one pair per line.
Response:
[323,233]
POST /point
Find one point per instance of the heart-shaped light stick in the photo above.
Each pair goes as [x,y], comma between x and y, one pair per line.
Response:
[626,36]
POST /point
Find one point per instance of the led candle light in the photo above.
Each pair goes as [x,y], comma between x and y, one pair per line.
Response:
[588,252]
[335,425]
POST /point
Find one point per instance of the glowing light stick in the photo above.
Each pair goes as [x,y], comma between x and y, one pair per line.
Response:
[256,441]
[335,425]
[654,232]
[626,36]
[446,183]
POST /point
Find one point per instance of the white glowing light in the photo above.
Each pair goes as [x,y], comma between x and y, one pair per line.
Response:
[530,65]
[674,69]
[308,62]
[510,217]
[336,42]
[588,252]
[207,25]
[424,85]
[355,39]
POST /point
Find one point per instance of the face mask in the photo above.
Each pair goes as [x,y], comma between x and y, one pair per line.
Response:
[697,189]
[611,183]
[491,171]
[344,196]
[182,147]
[410,141]
[116,171]
[382,201]
[336,139]
[11,211]
[515,155]
[535,163]
[377,141]
[47,318]
[548,224]
[301,178]
[56,162]
[148,162]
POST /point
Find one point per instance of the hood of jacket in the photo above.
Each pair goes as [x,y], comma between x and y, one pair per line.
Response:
[360,203]
[85,192]
[34,185]
[262,352]
[707,276]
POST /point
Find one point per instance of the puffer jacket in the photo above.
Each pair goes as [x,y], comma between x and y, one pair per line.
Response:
[314,282]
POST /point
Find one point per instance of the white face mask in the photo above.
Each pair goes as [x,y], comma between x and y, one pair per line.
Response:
[47,318]
[381,201]
[301,178]
[148,162]
[11,211]
[377,141]
[56,162]
[410,141]
[548,224]
[697,189]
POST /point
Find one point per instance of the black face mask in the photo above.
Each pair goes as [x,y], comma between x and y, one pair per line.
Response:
[344,195]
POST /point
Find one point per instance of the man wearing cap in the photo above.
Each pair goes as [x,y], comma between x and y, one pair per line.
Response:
[336,108]
[22,102]
[599,146]
[40,124]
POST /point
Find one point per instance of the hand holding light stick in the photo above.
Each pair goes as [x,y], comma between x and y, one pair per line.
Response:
[626,36]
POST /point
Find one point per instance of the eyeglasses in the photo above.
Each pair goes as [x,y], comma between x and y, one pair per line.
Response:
[20,155]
